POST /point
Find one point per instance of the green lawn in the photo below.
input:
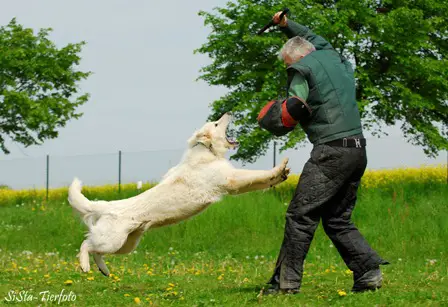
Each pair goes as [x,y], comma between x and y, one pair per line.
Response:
[224,256]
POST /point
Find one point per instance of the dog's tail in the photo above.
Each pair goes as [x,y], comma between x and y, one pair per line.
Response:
[77,200]
[89,210]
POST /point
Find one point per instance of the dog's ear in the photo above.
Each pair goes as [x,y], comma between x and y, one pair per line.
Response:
[203,137]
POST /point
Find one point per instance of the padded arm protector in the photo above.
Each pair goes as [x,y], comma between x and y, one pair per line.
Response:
[280,117]
[297,109]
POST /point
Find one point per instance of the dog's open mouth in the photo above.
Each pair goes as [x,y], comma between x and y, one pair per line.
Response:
[231,141]
[230,131]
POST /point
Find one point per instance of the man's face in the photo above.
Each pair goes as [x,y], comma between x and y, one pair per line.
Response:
[289,61]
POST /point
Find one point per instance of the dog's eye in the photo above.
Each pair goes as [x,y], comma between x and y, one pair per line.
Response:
[216,125]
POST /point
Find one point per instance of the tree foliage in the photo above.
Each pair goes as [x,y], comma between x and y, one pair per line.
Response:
[398,48]
[37,85]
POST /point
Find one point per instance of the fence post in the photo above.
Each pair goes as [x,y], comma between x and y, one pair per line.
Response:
[48,176]
[275,150]
[119,171]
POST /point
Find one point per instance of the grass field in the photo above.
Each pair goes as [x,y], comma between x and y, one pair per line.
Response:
[224,256]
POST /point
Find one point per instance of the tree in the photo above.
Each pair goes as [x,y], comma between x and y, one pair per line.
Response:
[37,85]
[398,49]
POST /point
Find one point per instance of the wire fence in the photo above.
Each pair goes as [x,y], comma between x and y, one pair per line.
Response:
[112,168]
[121,167]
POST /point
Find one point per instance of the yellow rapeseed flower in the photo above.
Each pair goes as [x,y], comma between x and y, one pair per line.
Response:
[137,300]
[342,293]
[68,282]
[385,177]
[59,193]
[371,179]
[90,278]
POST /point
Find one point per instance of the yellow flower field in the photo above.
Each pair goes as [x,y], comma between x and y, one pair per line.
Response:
[372,179]
[7,195]
[385,177]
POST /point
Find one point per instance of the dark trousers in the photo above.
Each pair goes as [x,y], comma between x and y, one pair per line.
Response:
[326,190]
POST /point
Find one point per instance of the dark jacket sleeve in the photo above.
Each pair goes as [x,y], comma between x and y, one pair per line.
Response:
[294,29]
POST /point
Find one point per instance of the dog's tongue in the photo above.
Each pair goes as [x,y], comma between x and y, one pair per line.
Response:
[232,141]
[230,132]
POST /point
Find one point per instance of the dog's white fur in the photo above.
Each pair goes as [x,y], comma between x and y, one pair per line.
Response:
[202,177]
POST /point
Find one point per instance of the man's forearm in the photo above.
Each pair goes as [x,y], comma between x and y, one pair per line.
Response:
[294,29]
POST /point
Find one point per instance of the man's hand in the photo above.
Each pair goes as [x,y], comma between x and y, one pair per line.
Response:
[277,21]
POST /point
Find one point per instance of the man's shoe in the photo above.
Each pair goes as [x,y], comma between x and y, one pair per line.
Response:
[369,281]
[290,291]
[272,290]
[275,289]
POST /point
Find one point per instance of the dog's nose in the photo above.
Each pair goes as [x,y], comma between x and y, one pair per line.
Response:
[226,114]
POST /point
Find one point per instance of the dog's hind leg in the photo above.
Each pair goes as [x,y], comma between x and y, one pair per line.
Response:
[84,256]
[107,236]
[106,245]
[128,246]
[131,242]
[101,264]
[98,244]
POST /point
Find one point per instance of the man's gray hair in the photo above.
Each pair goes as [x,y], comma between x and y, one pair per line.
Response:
[295,48]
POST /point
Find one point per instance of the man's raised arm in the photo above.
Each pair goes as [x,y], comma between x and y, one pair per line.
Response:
[292,28]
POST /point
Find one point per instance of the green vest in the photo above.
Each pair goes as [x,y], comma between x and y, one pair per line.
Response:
[332,96]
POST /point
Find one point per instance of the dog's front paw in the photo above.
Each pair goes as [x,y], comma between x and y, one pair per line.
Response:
[285,173]
[281,172]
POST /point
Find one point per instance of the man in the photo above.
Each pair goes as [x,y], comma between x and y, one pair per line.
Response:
[321,90]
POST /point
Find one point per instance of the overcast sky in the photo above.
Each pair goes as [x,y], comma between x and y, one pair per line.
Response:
[144,97]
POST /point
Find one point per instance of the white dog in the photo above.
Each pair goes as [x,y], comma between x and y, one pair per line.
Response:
[203,176]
